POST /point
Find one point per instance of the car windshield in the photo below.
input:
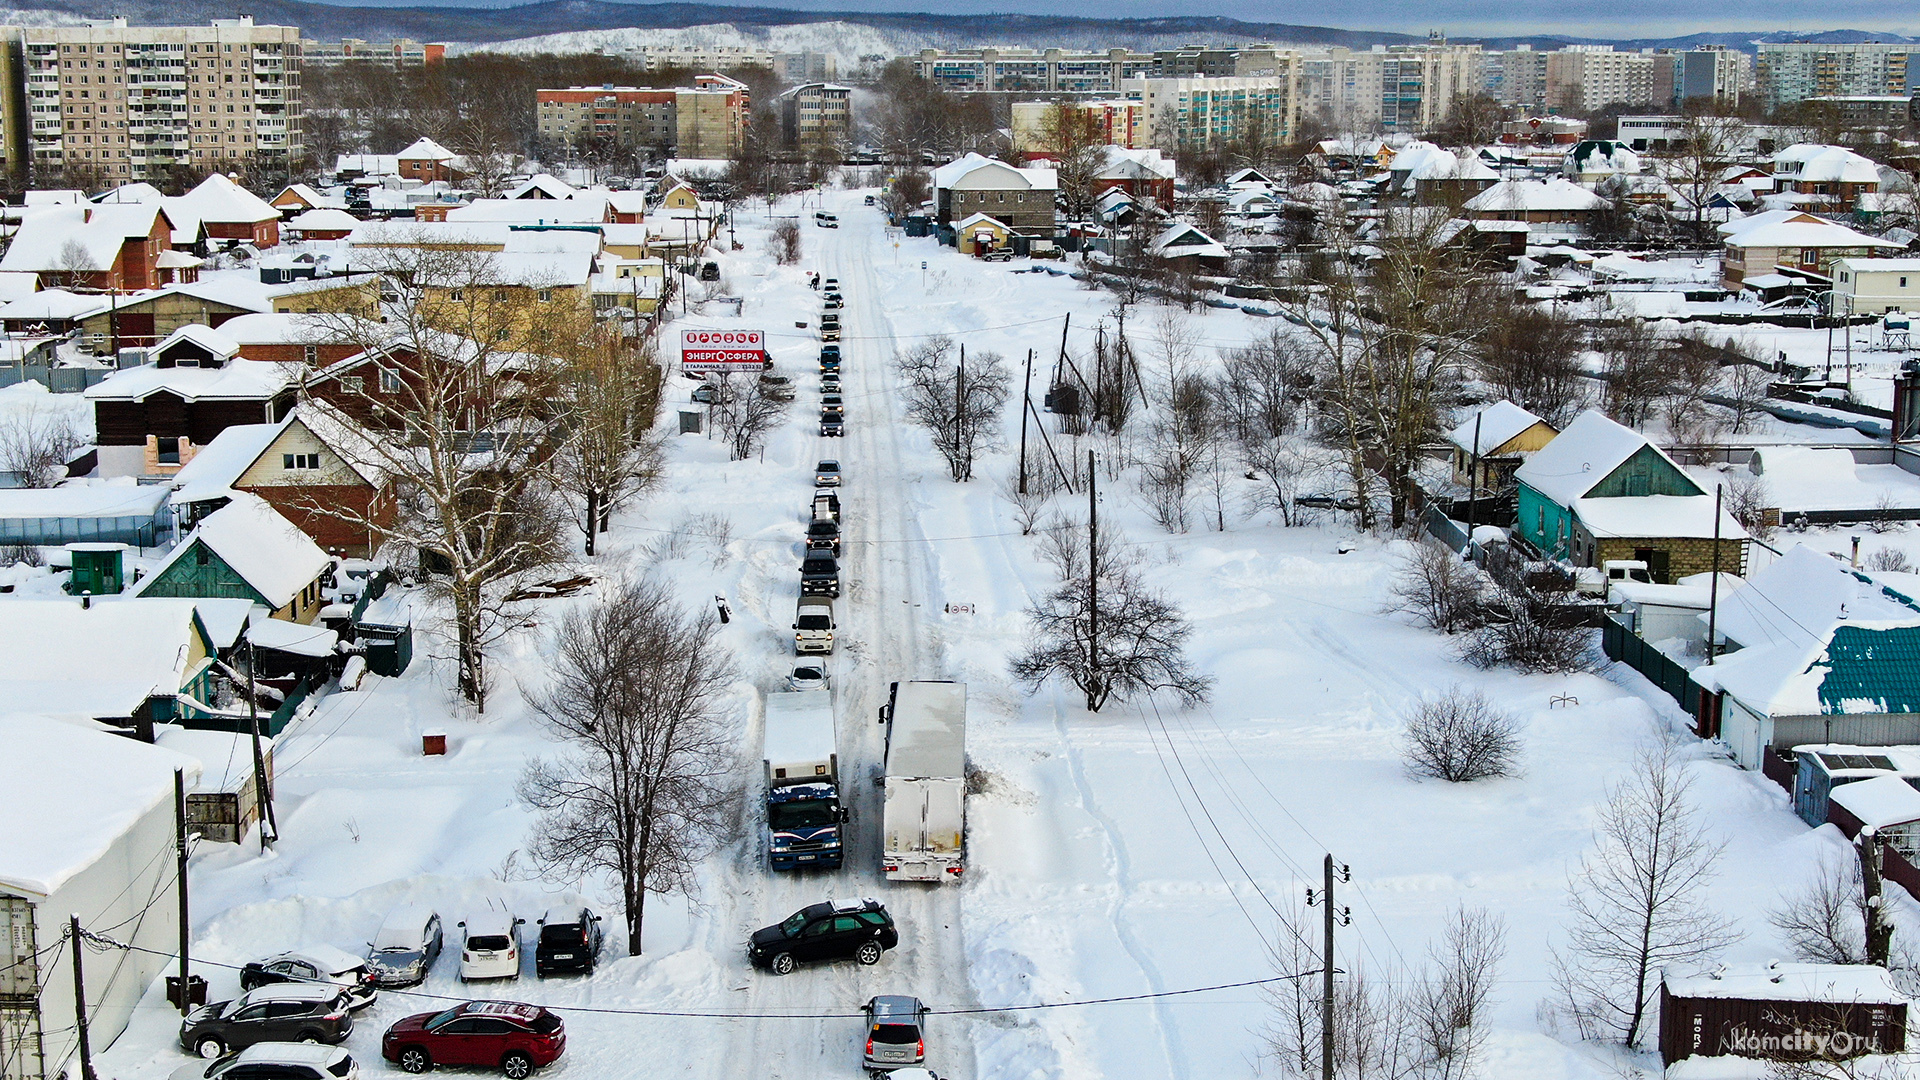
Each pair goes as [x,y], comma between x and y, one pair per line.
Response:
[562,934]
[488,941]
[896,1034]
[435,1023]
[818,566]
[794,923]
[803,815]
[815,622]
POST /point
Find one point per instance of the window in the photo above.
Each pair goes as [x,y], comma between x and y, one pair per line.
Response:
[200,555]
[389,381]
[310,353]
[456,295]
[546,295]
[299,461]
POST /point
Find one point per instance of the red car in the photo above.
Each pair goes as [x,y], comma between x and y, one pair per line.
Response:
[507,1035]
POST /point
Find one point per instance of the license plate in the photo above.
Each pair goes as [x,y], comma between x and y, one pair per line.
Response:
[563,956]
[807,858]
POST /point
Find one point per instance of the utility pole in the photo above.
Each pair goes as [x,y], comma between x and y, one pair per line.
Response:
[961,464]
[1026,396]
[80,1001]
[180,856]
[1334,917]
[1093,583]
[1473,479]
[262,794]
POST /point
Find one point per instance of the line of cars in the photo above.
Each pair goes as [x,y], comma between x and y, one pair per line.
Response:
[296,1007]
[833,408]
[813,623]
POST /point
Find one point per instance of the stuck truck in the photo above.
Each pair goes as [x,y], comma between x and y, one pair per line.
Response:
[804,815]
[924,804]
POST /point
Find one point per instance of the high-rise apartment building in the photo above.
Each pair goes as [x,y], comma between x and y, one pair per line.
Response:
[398,53]
[1795,71]
[1206,113]
[131,101]
[707,120]
[1583,78]
[1410,88]
[815,115]
[1117,122]
[1722,76]
[1515,77]
[1031,70]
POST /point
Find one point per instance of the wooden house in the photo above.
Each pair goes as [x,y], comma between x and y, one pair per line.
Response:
[152,419]
[316,471]
[123,663]
[1500,435]
[1600,492]
[247,550]
[981,235]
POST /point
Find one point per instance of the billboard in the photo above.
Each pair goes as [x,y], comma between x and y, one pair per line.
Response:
[722,351]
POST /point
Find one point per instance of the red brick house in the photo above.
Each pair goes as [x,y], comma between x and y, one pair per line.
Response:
[427,161]
[223,213]
[114,247]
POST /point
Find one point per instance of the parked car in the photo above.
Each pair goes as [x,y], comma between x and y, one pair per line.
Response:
[894,1033]
[819,573]
[831,284]
[868,201]
[832,303]
[809,675]
[824,534]
[706,395]
[506,1035]
[277,1012]
[490,946]
[826,473]
[276,1061]
[832,427]
[570,941]
[314,964]
[820,933]
[402,952]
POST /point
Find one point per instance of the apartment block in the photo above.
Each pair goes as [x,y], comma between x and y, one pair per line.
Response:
[1225,61]
[815,114]
[397,53]
[1515,77]
[1206,113]
[1409,88]
[131,101]
[1582,78]
[14,124]
[1722,76]
[1032,70]
[1120,122]
[706,120]
[1792,72]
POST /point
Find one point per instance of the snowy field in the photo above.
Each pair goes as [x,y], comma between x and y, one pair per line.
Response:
[1140,850]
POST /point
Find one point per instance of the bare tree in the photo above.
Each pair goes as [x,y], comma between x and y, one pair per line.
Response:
[1264,387]
[1748,499]
[1743,388]
[1105,631]
[1440,589]
[744,410]
[1459,736]
[786,242]
[1073,139]
[36,443]
[1707,144]
[641,792]
[1287,468]
[489,151]
[957,398]
[1532,357]
[1031,505]
[1449,1005]
[1531,628]
[1888,560]
[1637,902]
[611,454]
[1636,373]
[1823,923]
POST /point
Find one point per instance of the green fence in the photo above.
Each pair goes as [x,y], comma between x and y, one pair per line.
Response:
[1625,646]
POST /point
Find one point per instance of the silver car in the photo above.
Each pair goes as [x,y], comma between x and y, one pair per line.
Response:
[404,950]
[895,1039]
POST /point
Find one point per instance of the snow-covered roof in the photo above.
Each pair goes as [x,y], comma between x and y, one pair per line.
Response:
[1536,195]
[95,500]
[1781,981]
[84,237]
[367,164]
[216,199]
[213,470]
[954,172]
[1499,422]
[311,196]
[279,328]
[424,147]
[53,304]
[1797,599]
[324,219]
[1180,240]
[1598,157]
[1814,163]
[1590,448]
[583,210]
[241,379]
[1146,163]
[543,185]
[1879,802]
[137,192]
[85,663]
[1683,516]
[982,218]
[226,757]
[206,337]
[1797,233]
[75,791]
[290,637]
[269,552]
[223,617]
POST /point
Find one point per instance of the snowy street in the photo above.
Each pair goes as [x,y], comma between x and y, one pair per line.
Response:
[1142,850]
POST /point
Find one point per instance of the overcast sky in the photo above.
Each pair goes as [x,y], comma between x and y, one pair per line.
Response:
[1586,18]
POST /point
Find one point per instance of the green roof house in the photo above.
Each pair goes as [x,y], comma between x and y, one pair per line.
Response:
[1600,492]
[246,550]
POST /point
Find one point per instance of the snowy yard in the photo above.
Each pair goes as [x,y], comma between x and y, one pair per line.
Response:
[1142,849]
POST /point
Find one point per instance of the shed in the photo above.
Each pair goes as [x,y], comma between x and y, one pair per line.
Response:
[225,803]
[1890,806]
[385,628]
[980,234]
[1506,434]
[98,569]
[85,513]
[1821,768]
[1781,1012]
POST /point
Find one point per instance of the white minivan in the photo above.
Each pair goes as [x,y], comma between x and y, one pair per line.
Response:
[490,945]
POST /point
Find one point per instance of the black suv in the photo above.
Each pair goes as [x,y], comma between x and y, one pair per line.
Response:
[842,930]
[824,534]
[277,1012]
[820,573]
[570,940]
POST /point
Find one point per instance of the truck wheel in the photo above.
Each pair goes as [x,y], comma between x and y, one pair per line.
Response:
[782,964]
[868,953]
[415,1060]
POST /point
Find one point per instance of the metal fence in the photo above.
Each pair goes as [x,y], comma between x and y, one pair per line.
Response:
[58,380]
[1626,647]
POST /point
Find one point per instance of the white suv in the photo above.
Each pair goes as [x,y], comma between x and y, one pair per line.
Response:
[490,945]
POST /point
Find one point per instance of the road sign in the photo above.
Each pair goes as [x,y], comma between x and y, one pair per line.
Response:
[722,351]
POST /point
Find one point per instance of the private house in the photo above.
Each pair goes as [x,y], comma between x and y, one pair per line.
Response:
[543,186]
[323,224]
[115,661]
[1790,241]
[1817,653]
[290,338]
[1875,286]
[295,198]
[428,161]
[314,470]
[246,550]
[112,247]
[1143,174]
[49,311]
[1432,176]
[1594,160]
[1600,492]
[221,213]
[981,235]
[1189,250]
[86,815]
[1506,434]
[1023,199]
[1554,207]
[1831,177]
[150,420]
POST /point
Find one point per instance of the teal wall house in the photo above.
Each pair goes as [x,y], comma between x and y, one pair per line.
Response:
[246,551]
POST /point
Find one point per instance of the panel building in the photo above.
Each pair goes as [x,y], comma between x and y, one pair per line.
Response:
[815,114]
[1583,78]
[708,119]
[132,101]
[1032,70]
[398,53]
[1795,71]
[1410,88]
[1206,113]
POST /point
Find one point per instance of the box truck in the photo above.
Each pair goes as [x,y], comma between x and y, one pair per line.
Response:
[924,807]
[804,815]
